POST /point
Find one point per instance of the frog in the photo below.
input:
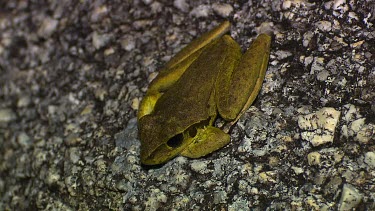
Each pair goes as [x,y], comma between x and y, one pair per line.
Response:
[208,79]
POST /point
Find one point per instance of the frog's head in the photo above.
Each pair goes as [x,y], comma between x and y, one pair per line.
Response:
[161,141]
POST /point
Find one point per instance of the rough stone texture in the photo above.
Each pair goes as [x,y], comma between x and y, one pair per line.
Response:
[319,126]
[350,198]
[72,74]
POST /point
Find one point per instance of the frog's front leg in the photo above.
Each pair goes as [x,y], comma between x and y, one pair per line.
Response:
[207,140]
[240,86]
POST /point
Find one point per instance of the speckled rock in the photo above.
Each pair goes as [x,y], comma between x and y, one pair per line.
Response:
[48,27]
[357,127]
[74,72]
[314,158]
[223,10]
[181,5]
[320,125]
[7,115]
[350,198]
[201,11]
[370,159]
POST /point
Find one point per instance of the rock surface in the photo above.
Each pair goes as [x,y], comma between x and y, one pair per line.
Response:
[73,74]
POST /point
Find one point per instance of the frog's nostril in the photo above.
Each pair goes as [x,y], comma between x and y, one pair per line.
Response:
[175,141]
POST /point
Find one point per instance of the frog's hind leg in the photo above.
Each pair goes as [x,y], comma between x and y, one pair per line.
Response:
[245,81]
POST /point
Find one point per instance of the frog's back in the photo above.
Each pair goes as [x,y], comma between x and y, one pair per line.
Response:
[189,98]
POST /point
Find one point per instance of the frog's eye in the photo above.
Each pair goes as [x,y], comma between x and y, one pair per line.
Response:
[175,141]
[192,131]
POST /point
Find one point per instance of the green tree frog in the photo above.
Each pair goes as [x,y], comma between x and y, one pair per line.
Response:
[208,78]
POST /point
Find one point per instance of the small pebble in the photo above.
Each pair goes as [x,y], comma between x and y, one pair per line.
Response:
[350,198]
[100,40]
[370,159]
[181,5]
[202,11]
[223,10]
[7,115]
[313,158]
[48,27]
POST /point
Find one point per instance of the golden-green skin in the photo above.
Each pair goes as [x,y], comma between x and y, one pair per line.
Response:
[209,77]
